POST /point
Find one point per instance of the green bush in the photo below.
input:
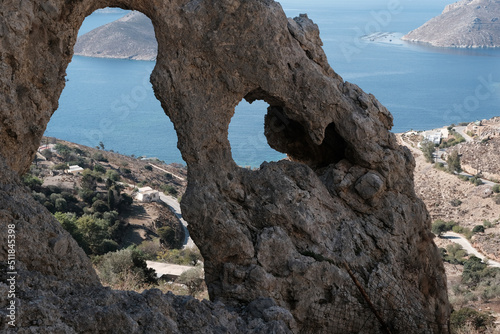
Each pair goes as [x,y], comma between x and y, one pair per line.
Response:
[428,148]
[99,157]
[496,188]
[107,246]
[455,202]
[454,254]
[167,236]
[49,206]
[31,181]
[61,166]
[126,264]
[473,271]
[487,224]
[98,168]
[86,195]
[100,206]
[60,204]
[440,226]
[185,256]
[476,180]
[68,222]
[463,177]
[150,249]
[193,280]
[40,197]
[69,197]
[478,229]
[125,170]
[478,320]
[126,200]
[148,167]
[94,232]
[169,189]
[88,180]
[113,175]
[453,162]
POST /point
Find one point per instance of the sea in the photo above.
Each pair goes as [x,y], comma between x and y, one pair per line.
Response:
[111,101]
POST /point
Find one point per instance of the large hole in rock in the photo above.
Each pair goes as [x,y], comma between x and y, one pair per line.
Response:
[109,105]
[290,137]
[249,145]
[112,101]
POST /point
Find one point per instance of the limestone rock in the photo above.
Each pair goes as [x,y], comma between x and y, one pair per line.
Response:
[464,24]
[332,241]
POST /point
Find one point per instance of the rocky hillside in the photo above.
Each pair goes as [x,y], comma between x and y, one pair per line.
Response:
[465,24]
[131,37]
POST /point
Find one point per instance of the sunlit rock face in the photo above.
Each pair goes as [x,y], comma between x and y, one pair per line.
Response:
[333,240]
[463,24]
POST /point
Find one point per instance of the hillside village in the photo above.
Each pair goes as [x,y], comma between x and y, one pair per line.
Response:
[465,201]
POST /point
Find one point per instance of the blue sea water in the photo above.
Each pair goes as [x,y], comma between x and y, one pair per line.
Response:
[112,100]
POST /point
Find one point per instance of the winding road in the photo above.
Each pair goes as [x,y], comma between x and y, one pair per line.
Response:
[176,209]
[462,241]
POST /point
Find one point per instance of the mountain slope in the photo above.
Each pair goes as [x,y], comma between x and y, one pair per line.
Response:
[464,24]
[131,37]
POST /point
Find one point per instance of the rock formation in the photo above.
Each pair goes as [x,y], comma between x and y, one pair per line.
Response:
[464,24]
[333,241]
[131,37]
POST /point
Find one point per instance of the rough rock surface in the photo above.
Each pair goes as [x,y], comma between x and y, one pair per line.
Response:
[464,24]
[131,37]
[333,241]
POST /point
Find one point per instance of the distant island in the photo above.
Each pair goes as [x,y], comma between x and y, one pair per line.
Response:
[131,37]
[464,24]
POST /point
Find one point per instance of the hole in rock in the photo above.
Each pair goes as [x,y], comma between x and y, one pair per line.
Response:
[289,136]
[108,104]
[249,146]
[111,100]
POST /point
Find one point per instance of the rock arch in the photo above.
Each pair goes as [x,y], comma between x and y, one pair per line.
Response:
[334,241]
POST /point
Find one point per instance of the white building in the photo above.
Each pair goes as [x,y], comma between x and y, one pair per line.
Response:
[434,137]
[74,169]
[147,194]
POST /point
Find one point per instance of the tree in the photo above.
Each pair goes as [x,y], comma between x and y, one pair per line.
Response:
[33,182]
[125,265]
[473,269]
[100,206]
[428,148]
[99,168]
[93,231]
[148,167]
[101,145]
[60,204]
[167,236]
[440,226]
[478,229]
[193,280]
[68,222]
[126,200]
[169,189]
[113,175]
[88,181]
[453,162]
[111,199]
